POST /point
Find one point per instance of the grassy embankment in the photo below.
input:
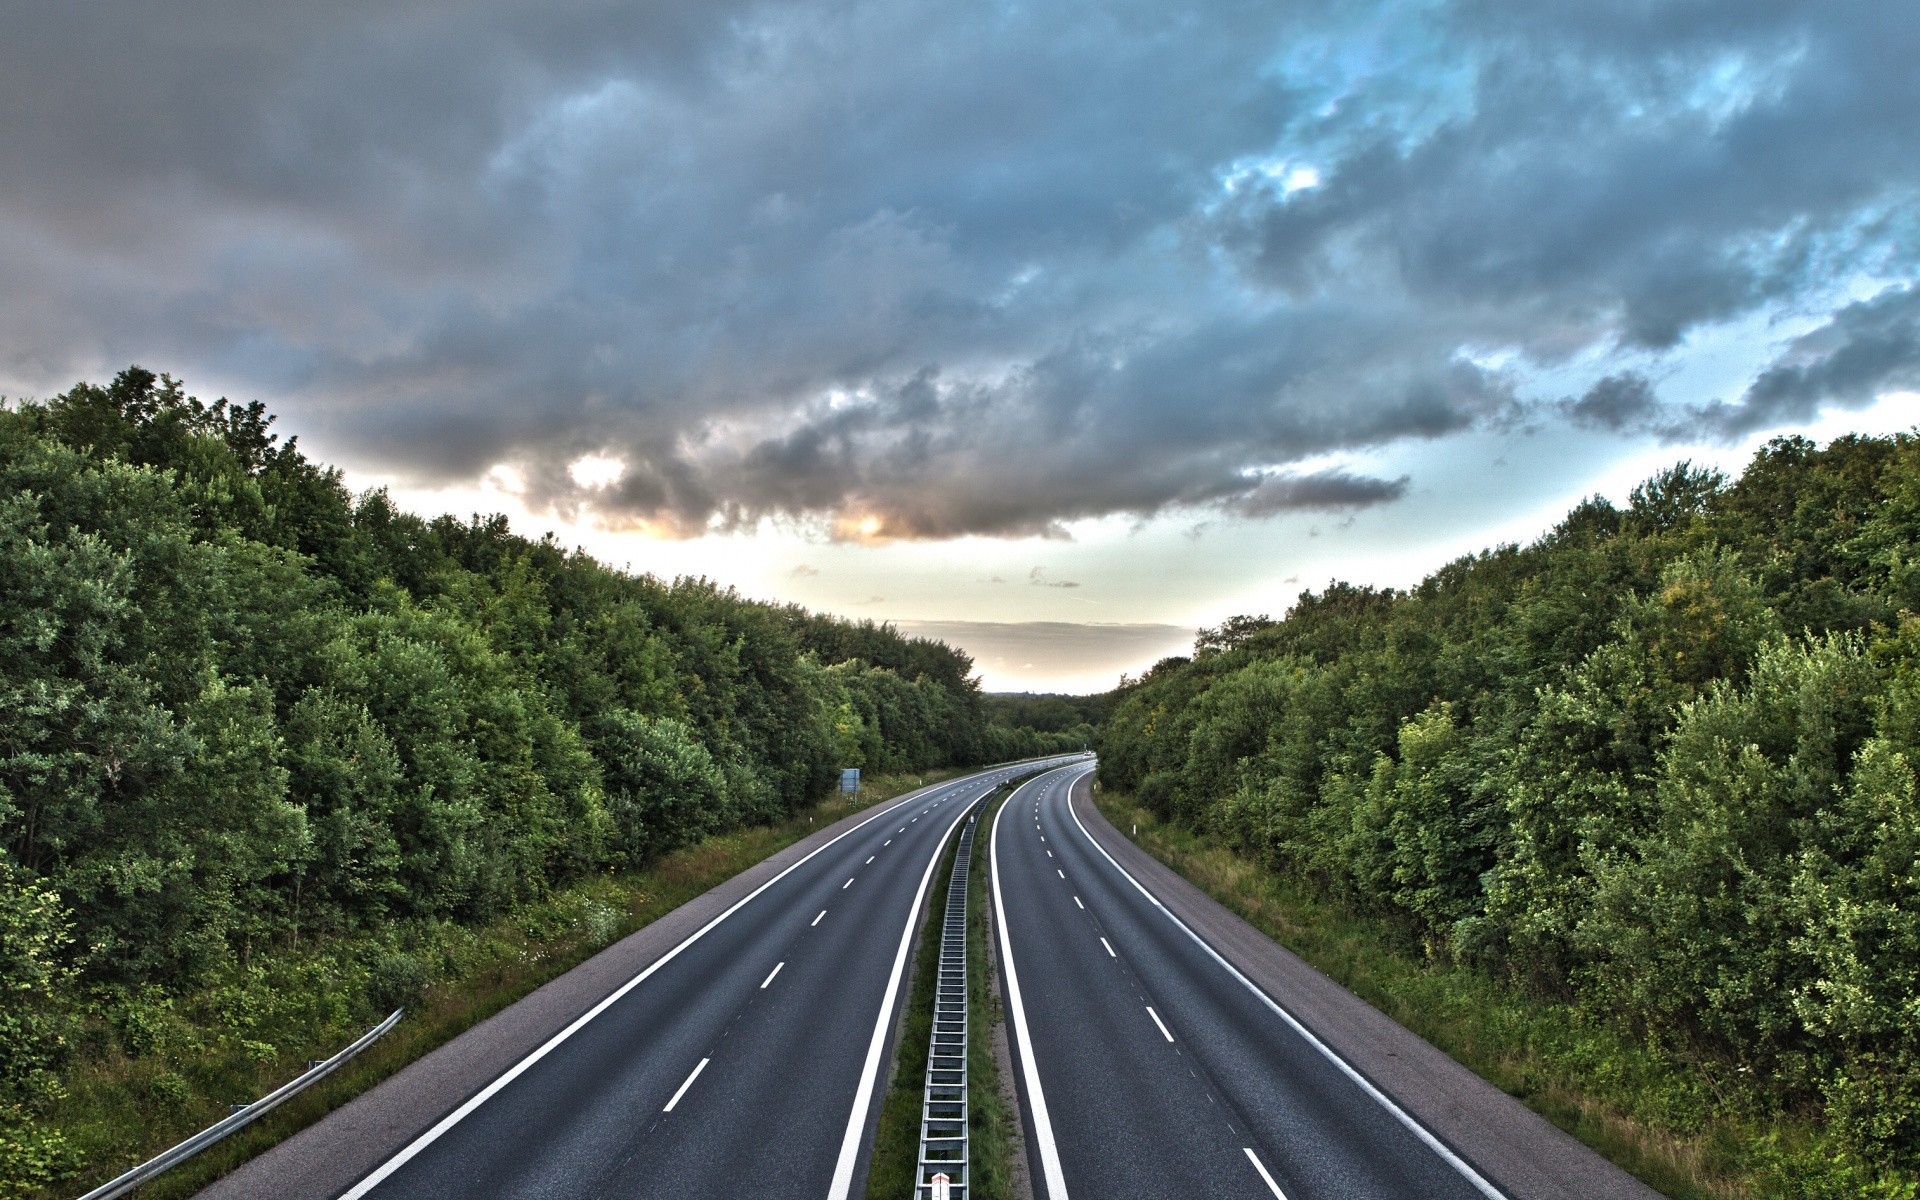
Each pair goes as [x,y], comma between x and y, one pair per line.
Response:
[1575,1068]
[170,1067]
[990,1121]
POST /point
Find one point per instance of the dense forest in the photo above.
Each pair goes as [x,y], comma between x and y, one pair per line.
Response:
[241,707]
[1045,722]
[1659,763]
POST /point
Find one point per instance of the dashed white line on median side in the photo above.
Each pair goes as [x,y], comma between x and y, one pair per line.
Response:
[1059,872]
[687,1084]
[840,1187]
[1103,942]
[1023,1038]
[1262,1168]
[1076,900]
[771,974]
[846,885]
[869,858]
[1159,1022]
[816,920]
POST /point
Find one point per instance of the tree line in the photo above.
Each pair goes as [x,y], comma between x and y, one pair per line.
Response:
[242,707]
[1660,763]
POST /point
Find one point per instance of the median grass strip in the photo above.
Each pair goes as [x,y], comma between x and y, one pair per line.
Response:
[993,1125]
[1576,1068]
[990,1124]
[154,1068]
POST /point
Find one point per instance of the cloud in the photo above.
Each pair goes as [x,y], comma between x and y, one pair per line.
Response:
[918,270]
[1322,490]
[1865,350]
[1616,403]
[1038,578]
[803,571]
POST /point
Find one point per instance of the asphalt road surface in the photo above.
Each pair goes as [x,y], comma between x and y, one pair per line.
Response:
[746,1061]
[1150,1069]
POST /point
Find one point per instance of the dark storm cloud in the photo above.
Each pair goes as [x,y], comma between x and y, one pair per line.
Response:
[1617,403]
[1322,490]
[924,270]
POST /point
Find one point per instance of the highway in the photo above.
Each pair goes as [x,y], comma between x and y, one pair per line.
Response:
[744,1061]
[1148,1068]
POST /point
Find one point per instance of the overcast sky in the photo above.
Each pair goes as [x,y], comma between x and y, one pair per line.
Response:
[1062,328]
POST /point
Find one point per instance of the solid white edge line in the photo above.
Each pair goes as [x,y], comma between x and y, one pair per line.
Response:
[1262,1168]
[1036,1097]
[380,1173]
[771,974]
[688,1083]
[1473,1177]
[842,1185]
[1164,1031]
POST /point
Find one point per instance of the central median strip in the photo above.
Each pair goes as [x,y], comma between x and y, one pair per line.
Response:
[992,1118]
[943,1107]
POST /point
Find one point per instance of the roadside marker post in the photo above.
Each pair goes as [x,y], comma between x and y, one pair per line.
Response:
[942,1187]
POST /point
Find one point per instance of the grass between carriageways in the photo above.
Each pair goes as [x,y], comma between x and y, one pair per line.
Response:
[158,1068]
[1574,1067]
[990,1123]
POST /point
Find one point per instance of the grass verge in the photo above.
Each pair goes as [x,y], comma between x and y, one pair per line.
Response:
[1670,1126]
[154,1068]
[896,1150]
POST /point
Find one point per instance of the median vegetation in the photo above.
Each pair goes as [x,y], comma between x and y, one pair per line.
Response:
[275,758]
[1636,803]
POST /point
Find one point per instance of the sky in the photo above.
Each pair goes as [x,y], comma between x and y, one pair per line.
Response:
[1054,330]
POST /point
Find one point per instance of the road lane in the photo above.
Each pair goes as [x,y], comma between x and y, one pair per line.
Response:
[738,1056]
[1165,1076]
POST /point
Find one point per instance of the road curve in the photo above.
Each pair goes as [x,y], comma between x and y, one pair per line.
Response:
[1151,1066]
[743,1057]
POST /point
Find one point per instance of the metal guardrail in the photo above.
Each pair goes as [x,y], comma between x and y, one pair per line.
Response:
[240,1119]
[942,1173]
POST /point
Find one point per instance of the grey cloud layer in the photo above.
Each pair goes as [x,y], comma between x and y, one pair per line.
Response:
[927,270]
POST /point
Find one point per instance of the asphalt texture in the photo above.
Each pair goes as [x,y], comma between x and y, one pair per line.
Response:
[747,1060]
[1165,1075]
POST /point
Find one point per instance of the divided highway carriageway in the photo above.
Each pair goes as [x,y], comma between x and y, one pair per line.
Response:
[737,1047]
